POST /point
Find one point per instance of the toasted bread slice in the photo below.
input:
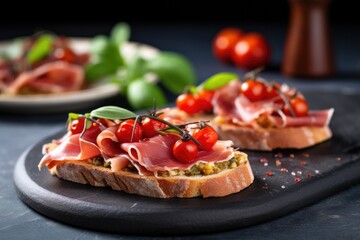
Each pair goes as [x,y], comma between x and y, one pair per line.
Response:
[267,139]
[220,184]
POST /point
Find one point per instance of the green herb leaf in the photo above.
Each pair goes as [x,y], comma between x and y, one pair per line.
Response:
[97,70]
[141,94]
[174,71]
[112,113]
[218,80]
[72,117]
[135,68]
[98,44]
[103,49]
[42,47]
[120,33]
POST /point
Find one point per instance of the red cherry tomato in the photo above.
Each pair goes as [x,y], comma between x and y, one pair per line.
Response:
[188,103]
[125,130]
[224,42]
[251,51]
[77,126]
[185,152]
[151,127]
[65,54]
[205,98]
[299,107]
[254,90]
[207,137]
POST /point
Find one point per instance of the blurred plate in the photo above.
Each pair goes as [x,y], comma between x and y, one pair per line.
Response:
[94,95]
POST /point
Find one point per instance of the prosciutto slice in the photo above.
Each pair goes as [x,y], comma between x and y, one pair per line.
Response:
[155,154]
[74,148]
[233,106]
[54,77]
[148,156]
[315,118]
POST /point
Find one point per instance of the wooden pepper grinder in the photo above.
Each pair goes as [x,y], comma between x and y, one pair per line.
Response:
[308,49]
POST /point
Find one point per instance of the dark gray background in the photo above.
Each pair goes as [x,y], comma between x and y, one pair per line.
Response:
[337,217]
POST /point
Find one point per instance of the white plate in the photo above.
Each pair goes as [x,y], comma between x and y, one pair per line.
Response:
[71,101]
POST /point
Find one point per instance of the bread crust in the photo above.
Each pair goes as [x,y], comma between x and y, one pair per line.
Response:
[267,139]
[261,139]
[217,185]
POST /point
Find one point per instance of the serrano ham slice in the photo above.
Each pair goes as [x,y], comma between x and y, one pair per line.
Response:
[54,77]
[74,148]
[233,106]
[155,154]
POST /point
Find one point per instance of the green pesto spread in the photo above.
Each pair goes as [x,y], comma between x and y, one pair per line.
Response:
[198,169]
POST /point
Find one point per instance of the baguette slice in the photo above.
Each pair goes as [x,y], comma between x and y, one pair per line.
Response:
[267,139]
[217,185]
[261,139]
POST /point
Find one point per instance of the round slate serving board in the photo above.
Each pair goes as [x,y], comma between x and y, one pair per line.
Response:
[284,182]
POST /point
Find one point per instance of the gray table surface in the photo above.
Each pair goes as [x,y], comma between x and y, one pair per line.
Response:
[337,217]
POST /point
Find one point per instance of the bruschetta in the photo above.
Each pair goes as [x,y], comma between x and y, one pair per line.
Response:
[255,114]
[147,155]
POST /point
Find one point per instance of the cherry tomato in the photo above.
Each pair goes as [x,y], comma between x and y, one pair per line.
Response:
[254,90]
[77,126]
[205,98]
[185,152]
[102,121]
[251,51]
[224,42]
[125,130]
[65,54]
[207,137]
[299,107]
[151,127]
[271,92]
[188,103]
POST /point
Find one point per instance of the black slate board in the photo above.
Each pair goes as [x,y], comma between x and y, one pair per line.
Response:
[322,170]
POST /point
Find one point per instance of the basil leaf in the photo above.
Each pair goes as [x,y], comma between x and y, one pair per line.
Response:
[41,48]
[218,80]
[95,71]
[103,49]
[174,71]
[141,94]
[112,113]
[120,33]
[98,44]
[135,68]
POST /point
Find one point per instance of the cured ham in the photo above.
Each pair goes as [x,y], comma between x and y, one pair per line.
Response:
[74,147]
[54,77]
[147,156]
[233,106]
[314,118]
[155,154]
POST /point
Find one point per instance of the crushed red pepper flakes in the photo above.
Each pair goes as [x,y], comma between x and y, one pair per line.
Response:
[309,175]
[283,169]
[306,155]
[263,160]
[278,162]
[303,163]
[297,179]
[269,174]
[279,155]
